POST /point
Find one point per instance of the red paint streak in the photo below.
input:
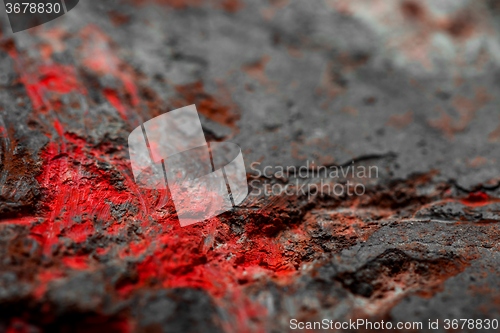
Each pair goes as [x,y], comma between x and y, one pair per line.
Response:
[78,263]
[44,278]
[131,89]
[168,255]
[80,232]
[58,127]
[60,131]
[25,220]
[17,325]
[114,100]
[46,81]
[98,56]
[73,201]
[56,78]
[477,199]
[101,251]
[49,79]
[77,200]
[99,324]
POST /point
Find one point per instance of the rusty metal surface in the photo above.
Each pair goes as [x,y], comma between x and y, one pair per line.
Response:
[408,87]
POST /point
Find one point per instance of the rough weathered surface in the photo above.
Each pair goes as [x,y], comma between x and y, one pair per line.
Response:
[409,87]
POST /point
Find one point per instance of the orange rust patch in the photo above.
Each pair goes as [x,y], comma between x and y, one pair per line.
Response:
[495,135]
[268,13]
[466,109]
[400,121]
[460,27]
[177,4]
[413,10]
[477,162]
[350,110]
[387,279]
[329,87]
[351,62]
[118,18]
[231,5]
[194,93]
[227,5]
[257,70]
